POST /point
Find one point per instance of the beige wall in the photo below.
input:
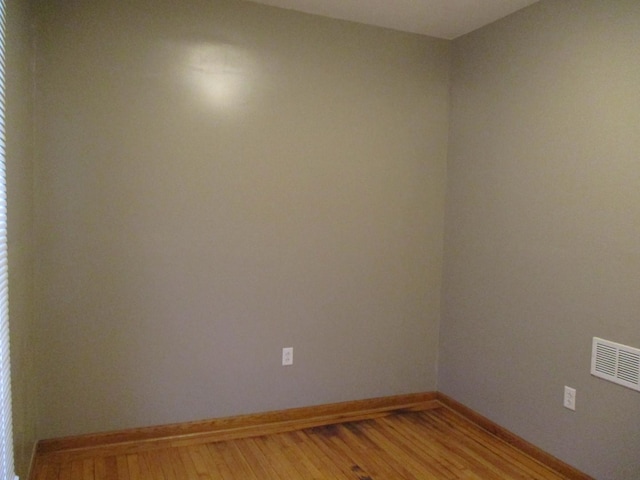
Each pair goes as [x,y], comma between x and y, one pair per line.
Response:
[19,134]
[217,180]
[542,236]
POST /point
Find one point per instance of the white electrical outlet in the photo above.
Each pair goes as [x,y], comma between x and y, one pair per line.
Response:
[287,356]
[570,398]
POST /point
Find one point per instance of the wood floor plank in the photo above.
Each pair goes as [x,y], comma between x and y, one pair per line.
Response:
[365,456]
[88,469]
[244,467]
[491,450]
[495,447]
[204,466]
[293,453]
[231,461]
[39,471]
[418,468]
[475,456]
[174,458]
[428,444]
[100,468]
[65,471]
[258,466]
[274,452]
[187,462]
[378,462]
[333,459]
[76,470]
[315,456]
[53,472]
[162,457]
[257,448]
[133,466]
[122,467]
[154,466]
[111,468]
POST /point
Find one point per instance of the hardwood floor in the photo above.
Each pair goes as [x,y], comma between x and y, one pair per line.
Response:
[436,443]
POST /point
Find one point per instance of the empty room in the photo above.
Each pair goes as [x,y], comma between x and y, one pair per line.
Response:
[322,239]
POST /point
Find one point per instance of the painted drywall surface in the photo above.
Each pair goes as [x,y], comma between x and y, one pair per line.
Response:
[218,180]
[542,227]
[19,155]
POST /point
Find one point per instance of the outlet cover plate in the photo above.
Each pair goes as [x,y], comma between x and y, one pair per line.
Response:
[287,356]
[570,398]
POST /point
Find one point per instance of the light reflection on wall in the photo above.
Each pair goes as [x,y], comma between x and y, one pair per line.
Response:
[220,73]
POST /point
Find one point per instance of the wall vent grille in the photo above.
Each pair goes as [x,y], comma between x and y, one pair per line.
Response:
[615,362]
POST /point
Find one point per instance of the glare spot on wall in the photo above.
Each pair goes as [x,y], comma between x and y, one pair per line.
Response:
[220,73]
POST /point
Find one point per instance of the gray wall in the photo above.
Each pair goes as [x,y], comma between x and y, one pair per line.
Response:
[217,180]
[542,246]
[19,150]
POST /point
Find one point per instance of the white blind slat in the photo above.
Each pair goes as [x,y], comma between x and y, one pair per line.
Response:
[6,434]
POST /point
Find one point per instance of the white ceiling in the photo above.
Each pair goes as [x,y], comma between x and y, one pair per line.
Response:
[438,18]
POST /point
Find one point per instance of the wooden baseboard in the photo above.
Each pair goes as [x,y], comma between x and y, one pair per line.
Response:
[137,439]
[512,439]
[32,461]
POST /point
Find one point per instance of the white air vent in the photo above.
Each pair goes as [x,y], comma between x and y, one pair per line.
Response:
[617,363]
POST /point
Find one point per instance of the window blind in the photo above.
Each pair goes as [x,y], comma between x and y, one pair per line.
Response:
[6,435]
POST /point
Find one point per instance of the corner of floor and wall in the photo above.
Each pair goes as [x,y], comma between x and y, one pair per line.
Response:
[194,187]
